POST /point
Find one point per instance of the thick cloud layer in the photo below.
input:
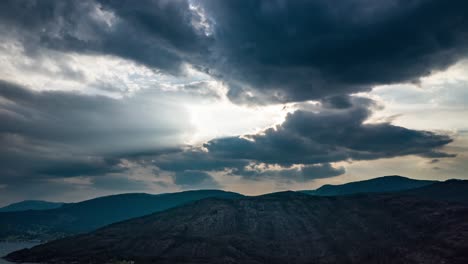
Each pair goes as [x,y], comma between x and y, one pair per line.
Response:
[312,140]
[156,33]
[261,51]
[293,174]
[193,179]
[330,135]
[310,49]
[264,50]
[64,134]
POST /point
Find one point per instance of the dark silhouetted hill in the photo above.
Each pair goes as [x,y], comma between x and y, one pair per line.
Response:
[377,185]
[287,227]
[91,214]
[448,191]
[30,205]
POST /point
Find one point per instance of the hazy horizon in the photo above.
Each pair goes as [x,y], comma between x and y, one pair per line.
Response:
[246,194]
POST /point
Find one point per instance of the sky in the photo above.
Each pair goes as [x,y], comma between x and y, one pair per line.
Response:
[99,97]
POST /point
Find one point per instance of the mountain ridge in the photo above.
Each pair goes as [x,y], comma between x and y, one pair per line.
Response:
[91,214]
[284,227]
[391,183]
[31,205]
[452,190]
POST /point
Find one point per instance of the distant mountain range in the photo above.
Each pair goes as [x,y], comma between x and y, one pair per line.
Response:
[287,227]
[86,216]
[447,191]
[89,215]
[381,184]
[30,205]
[393,183]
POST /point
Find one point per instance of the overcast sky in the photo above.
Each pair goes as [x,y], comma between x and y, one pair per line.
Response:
[100,97]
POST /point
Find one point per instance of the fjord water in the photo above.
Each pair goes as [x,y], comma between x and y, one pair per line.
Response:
[8,247]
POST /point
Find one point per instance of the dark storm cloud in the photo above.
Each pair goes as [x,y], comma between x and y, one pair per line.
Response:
[195,179]
[263,50]
[294,174]
[89,167]
[337,101]
[312,140]
[301,50]
[438,154]
[330,135]
[196,159]
[119,183]
[156,33]
[66,134]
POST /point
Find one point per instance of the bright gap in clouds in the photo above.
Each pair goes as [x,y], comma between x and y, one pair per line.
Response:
[437,102]
[223,118]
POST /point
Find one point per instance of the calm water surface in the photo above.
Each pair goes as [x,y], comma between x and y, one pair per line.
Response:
[7,247]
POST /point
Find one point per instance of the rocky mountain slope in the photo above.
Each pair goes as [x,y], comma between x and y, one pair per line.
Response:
[92,214]
[287,227]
